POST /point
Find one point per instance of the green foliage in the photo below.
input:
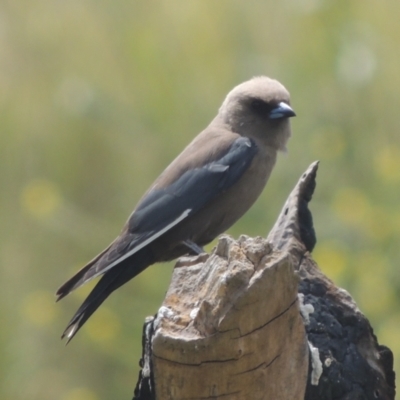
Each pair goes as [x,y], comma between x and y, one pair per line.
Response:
[96,97]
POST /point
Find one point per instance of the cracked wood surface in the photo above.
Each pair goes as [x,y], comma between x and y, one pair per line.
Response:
[230,327]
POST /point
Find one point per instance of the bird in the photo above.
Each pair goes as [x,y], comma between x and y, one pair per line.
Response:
[204,191]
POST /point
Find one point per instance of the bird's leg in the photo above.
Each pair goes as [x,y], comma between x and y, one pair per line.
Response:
[193,246]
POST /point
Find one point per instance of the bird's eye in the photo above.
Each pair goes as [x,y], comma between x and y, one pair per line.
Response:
[261,107]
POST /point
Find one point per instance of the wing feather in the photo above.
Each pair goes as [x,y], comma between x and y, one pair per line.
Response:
[163,208]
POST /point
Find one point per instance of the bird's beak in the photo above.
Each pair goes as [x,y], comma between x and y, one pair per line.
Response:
[283,110]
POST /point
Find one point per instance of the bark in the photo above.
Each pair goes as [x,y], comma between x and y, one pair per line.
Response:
[257,319]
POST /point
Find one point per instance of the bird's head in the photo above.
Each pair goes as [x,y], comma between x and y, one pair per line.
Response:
[260,109]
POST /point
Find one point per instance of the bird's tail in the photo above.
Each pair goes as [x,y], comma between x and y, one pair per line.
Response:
[111,281]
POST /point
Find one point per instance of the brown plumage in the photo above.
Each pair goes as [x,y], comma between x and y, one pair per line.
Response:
[205,190]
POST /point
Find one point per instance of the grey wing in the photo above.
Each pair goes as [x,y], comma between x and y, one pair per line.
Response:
[163,208]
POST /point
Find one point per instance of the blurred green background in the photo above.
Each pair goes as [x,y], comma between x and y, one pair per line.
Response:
[97,97]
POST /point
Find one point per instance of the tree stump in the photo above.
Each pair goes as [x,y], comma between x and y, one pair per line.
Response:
[257,319]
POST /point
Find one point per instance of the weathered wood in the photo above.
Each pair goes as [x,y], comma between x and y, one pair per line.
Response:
[234,326]
[230,327]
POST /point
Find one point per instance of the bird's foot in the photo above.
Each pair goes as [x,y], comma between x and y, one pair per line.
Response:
[194,247]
